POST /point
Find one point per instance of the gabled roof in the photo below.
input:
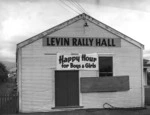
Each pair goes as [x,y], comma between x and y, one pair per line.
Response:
[146,63]
[73,20]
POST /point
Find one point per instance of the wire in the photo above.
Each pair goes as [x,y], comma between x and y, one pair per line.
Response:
[76,5]
[80,6]
[107,105]
[111,107]
[69,6]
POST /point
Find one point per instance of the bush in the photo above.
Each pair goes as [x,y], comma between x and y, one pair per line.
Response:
[3,72]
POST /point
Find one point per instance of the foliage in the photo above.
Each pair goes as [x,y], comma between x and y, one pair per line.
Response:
[3,72]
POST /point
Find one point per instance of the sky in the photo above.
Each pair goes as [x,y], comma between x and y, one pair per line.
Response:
[22,19]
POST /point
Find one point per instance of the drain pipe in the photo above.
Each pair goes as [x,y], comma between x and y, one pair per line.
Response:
[142,88]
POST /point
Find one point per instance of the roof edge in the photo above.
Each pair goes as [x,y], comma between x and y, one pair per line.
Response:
[112,30]
[74,19]
[49,31]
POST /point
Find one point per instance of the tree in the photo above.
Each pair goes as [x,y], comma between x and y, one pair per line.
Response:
[3,72]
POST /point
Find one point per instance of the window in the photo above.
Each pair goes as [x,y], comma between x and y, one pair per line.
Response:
[105,66]
[148,78]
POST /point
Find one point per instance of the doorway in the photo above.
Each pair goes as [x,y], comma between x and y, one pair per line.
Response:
[66,88]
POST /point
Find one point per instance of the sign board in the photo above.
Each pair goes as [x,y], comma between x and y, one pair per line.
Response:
[77,62]
[81,41]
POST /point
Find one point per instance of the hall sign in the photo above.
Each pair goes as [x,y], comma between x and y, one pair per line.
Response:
[77,62]
[81,41]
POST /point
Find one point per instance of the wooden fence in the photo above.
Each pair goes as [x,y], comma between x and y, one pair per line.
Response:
[9,103]
[147,96]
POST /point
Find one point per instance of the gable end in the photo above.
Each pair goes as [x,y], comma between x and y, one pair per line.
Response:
[73,20]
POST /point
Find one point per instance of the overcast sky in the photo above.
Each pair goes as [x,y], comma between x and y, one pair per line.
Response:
[22,19]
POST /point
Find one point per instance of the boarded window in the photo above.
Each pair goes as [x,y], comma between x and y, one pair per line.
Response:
[105,66]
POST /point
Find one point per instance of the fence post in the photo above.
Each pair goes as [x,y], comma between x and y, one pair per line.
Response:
[9,103]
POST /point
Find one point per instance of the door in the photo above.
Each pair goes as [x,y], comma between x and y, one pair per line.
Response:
[66,88]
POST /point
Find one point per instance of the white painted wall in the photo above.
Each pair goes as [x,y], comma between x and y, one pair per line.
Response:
[36,71]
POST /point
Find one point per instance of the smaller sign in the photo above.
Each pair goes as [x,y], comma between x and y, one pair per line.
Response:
[77,62]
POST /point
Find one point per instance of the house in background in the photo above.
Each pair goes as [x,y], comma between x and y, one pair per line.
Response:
[79,64]
[146,70]
[146,76]
[12,74]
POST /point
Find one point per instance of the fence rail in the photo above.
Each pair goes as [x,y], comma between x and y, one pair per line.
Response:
[9,103]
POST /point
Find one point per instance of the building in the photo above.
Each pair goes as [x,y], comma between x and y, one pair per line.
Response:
[146,69]
[146,76]
[81,63]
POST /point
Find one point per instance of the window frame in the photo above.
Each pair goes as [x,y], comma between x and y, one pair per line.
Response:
[104,55]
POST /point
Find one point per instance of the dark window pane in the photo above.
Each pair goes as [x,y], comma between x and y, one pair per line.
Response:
[148,78]
[103,74]
[105,66]
[109,74]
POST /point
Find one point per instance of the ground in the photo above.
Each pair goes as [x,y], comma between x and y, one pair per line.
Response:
[145,111]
